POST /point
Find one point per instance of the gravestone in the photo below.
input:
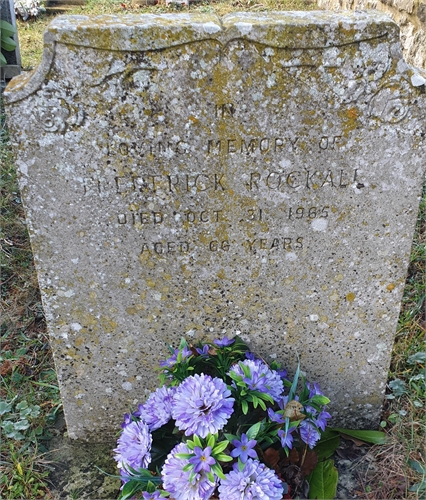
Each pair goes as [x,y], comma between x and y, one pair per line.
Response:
[185,175]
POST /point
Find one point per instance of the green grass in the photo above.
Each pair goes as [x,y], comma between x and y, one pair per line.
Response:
[28,381]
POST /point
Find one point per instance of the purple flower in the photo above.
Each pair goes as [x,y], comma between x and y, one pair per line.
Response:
[127,420]
[314,390]
[276,417]
[254,482]
[250,355]
[286,437]
[179,482]
[261,377]
[169,362]
[309,433]
[204,352]
[321,421]
[225,342]
[202,459]
[151,496]
[134,446]
[244,448]
[157,410]
[283,400]
[202,405]
[282,373]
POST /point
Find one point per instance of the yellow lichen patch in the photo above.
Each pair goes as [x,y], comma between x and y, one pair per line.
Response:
[221,274]
[390,287]
[350,297]
[151,283]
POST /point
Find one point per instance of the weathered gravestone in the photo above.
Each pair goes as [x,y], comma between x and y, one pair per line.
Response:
[188,175]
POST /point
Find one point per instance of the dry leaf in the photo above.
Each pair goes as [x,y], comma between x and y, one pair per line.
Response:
[293,410]
[271,457]
[311,460]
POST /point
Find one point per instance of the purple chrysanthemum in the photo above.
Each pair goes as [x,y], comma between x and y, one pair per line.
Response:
[244,448]
[157,410]
[202,405]
[261,378]
[309,433]
[177,482]
[225,342]
[134,446]
[254,482]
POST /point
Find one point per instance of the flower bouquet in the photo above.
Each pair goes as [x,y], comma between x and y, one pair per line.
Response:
[223,425]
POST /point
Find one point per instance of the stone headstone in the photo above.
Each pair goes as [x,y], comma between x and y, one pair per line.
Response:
[185,175]
[13,57]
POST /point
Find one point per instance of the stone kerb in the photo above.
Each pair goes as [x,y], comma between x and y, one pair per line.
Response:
[184,174]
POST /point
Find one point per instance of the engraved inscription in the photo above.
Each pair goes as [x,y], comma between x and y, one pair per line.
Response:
[224,110]
[288,244]
[177,184]
[308,213]
[305,179]
[249,146]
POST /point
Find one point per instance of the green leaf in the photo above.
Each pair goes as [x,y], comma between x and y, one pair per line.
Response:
[327,445]
[293,388]
[129,489]
[8,427]
[253,431]
[197,441]
[262,404]
[417,466]
[244,407]
[398,387]
[183,343]
[231,437]
[6,28]
[3,61]
[22,425]
[7,43]
[418,487]
[5,407]
[263,395]
[323,481]
[22,405]
[418,357]
[220,447]
[211,440]
[246,370]
[184,456]
[319,400]
[217,469]
[374,437]
[221,457]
